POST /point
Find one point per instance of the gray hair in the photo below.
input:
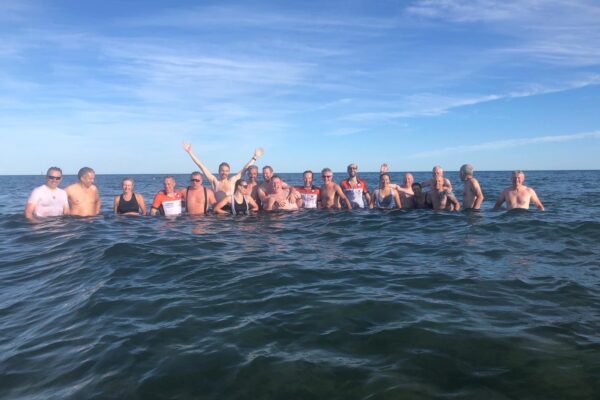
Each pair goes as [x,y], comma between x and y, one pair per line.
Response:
[84,171]
[467,169]
[54,169]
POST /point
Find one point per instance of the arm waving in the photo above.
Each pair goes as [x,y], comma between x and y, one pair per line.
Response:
[211,178]
[257,153]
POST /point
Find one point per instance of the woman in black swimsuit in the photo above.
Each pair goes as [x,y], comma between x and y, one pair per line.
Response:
[129,203]
[240,201]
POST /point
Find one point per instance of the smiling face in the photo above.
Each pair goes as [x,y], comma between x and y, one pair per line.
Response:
[384,181]
[439,183]
[276,182]
[518,178]
[195,181]
[169,184]
[53,178]
[307,177]
[223,171]
[87,180]
[267,174]
[242,187]
[127,186]
[252,174]
[352,168]
[408,180]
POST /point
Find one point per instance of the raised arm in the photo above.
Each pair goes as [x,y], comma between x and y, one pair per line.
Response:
[211,178]
[257,153]
[536,201]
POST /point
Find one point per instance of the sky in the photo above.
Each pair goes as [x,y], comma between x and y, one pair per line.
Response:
[119,85]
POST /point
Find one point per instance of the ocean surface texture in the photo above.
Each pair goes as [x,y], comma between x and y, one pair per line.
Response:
[307,305]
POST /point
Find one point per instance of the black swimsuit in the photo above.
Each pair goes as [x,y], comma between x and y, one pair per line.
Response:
[239,208]
[128,206]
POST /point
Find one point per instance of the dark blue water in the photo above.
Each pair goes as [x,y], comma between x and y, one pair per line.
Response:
[315,304]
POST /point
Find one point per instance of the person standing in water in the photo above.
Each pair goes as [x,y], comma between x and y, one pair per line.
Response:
[472,194]
[518,195]
[168,201]
[198,198]
[48,200]
[239,203]
[355,188]
[84,200]
[385,197]
[224,184]
[129,203]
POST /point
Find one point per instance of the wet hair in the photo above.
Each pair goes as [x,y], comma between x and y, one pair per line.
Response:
[127,178]
[308,171]
[467,169]
[351,165]
[326,170]
[276,177]
[416,184]
[54,169]
[196,173]
[384,174]
[169,177]
[268,167]
[224,164]
[518,172]
[84,171]
[253,167]
[239,182]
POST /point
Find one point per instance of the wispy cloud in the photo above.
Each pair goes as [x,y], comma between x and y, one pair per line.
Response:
[504,144]
[243,17]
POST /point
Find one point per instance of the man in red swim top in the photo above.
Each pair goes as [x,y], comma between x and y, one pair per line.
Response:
[310,194]
[168,201]
[355,188]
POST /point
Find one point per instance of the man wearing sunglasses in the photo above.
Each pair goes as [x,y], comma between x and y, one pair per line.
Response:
[197,197]
[83,196]
[48,200]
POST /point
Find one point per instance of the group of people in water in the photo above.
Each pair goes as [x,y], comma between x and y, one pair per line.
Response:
[236,195]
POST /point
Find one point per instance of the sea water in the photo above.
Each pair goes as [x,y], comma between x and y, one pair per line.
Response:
[305,305]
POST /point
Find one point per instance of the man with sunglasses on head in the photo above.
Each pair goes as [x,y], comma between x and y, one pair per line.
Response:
[83,196]
[48,200]
[355,188]
[198,198]
[331,192]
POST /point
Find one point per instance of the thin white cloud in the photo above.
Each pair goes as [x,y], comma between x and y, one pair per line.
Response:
[241,17]
[504,144]
[430,105]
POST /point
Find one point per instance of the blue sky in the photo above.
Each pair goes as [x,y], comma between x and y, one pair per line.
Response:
[118,85]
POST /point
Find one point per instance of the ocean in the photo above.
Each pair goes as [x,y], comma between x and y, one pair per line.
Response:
[402,304]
